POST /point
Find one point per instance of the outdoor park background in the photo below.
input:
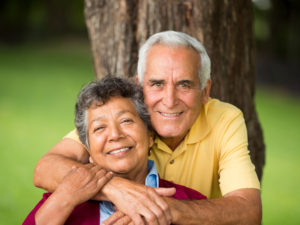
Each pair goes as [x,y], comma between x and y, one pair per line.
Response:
[44,62]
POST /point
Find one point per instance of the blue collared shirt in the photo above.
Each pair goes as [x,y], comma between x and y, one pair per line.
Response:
[152,180]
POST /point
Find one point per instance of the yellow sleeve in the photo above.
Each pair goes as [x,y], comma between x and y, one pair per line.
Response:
[235,167]
[73,135]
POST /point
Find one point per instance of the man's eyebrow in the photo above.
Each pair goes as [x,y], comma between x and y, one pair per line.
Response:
[156,80]
[190,82]
[185,81]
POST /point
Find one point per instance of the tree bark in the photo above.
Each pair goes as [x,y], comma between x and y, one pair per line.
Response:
[118,28]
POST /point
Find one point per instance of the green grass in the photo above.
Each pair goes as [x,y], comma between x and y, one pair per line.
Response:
[279,115]
[38,87]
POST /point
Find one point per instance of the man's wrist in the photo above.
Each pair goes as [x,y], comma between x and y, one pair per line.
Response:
[108,190]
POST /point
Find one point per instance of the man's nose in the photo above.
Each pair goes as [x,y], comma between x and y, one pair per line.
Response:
[115,132]
[170,96]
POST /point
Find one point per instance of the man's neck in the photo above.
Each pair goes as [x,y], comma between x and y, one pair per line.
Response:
[172,142]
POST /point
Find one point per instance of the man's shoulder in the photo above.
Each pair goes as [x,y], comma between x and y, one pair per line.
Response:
[215,105]
[216,110]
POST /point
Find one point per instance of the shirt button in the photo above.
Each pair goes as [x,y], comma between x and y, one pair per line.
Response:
[172,161]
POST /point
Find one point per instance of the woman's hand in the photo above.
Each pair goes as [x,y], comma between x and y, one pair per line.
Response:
[78,186]
[82,183]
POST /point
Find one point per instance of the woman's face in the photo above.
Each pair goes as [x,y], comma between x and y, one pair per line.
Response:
[118,138]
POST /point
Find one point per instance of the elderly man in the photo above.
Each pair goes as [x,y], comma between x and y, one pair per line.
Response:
[200,143]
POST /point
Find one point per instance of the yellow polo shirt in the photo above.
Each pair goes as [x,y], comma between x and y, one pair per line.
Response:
[213,158]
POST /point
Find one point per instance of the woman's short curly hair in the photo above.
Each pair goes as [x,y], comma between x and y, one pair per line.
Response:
[103,90]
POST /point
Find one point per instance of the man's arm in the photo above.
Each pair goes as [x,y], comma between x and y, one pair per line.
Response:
[56,163]
[242,206]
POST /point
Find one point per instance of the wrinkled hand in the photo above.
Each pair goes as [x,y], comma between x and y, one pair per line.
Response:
[142,204]
[118,218]
[82,183]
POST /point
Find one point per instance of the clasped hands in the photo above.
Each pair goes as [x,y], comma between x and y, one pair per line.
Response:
[135,203]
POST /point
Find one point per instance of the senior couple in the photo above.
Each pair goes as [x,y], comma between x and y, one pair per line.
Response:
[199,146]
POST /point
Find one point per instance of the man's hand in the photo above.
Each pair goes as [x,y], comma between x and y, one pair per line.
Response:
[118,218]
[140,202]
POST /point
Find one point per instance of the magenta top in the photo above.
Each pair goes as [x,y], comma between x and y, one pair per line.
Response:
[88,213]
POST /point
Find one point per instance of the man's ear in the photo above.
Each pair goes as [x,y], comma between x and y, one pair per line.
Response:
[206,92]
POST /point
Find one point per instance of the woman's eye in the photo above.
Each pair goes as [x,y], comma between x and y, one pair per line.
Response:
[127,121]
[99,128]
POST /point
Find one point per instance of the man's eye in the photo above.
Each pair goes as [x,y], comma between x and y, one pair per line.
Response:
[156,84]
[185,85]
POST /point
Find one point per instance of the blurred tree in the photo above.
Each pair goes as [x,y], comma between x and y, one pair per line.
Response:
[118,28]
[14,15]
[284,28]
[278,43]
[32,19]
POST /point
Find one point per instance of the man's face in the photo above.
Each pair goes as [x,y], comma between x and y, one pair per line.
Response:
[118,138]
[172,91]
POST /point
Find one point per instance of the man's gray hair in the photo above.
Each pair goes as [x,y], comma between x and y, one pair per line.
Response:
[175,38]
[102,91]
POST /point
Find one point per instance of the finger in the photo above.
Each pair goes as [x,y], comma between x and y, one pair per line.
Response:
[74,167]
[103,179]
[95,168]
[159,207]
[137,219]
[125,220]
[167,192]
[113,218]
[88,165]
[148,212]
[164,207]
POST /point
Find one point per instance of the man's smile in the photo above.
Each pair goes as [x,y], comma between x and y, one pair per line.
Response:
[170,115]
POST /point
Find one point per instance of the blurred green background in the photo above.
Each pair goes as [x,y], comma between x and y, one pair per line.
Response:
[45,59]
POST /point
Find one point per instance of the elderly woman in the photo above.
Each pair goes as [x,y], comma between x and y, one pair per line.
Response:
[113,123]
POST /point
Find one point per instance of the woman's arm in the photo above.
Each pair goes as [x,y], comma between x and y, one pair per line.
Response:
[79,185]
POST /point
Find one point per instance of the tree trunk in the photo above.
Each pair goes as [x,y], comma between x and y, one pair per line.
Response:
[118,28]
